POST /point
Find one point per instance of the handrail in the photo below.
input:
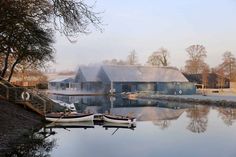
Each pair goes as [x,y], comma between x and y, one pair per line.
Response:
[37,101]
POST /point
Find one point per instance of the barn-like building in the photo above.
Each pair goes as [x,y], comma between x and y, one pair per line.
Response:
[127,78]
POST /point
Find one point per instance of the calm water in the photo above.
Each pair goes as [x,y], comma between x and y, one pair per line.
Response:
[163,129]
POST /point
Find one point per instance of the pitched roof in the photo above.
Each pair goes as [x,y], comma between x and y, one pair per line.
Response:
[143,74]
[90,73]
[63,80]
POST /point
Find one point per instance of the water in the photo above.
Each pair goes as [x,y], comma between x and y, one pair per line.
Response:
[162,129]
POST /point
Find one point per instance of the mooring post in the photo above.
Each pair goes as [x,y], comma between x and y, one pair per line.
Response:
[111,88]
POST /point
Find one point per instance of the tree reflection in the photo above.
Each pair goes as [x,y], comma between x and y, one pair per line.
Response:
[198,119]
[228,115]
[35,146]
[163,124]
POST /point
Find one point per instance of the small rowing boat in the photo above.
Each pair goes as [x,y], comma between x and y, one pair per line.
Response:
[119,119]
[107,125]
[85,125]
[69,117]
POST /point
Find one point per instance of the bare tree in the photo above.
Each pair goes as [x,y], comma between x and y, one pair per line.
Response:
[195,64]
[159,58]
[228,65]
[205,74]
[132,58]
[221,78]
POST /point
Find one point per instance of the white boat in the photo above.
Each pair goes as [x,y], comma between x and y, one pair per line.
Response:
[119,119]
[69,117]
[85,124]
[119,125]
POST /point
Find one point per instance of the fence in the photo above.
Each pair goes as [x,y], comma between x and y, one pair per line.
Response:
[40,104]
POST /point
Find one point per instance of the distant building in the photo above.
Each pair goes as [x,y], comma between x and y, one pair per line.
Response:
[118,79]
[64,83]
[213,80]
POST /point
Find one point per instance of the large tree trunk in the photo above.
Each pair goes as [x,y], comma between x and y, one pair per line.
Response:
[5,66]
[12,69]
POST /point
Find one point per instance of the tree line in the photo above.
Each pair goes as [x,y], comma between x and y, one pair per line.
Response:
[158,58]
[195,64]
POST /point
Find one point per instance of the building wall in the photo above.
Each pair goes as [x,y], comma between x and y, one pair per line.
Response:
[92,87]
[176,88]
[146,86]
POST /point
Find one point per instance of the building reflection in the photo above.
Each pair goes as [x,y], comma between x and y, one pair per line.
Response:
[198,118]
[228,115]
[160,113]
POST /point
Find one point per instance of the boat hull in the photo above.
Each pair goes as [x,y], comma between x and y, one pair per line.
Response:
[85,124]
[118,125]
[70,119]
[118,120]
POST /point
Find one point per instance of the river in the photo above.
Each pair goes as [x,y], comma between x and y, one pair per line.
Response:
[162,129]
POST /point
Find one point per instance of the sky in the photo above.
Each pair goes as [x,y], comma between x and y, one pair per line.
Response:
[147,25]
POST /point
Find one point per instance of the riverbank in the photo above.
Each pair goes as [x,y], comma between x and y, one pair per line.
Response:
[210,99]
[15,124]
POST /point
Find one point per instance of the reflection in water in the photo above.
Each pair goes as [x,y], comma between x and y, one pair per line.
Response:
[37,145]
[104,138]
[198,118]
[163,124]
[160,113]
[228,115]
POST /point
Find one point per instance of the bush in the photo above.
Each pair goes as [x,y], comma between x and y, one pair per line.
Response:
[42,86]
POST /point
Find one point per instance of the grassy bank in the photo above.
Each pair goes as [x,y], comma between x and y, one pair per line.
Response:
[216,100]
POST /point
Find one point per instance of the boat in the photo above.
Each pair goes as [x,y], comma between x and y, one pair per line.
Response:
[119,119]
[85,125]
[69,117]
[107,125]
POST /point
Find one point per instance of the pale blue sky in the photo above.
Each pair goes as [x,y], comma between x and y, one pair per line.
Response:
[147,25]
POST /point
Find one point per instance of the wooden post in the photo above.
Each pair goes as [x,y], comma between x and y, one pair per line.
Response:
[111,88]
[112,99]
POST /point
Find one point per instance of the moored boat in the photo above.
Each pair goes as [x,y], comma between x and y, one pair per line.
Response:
[119,125]
[119,119]
[85,124]
[69,117]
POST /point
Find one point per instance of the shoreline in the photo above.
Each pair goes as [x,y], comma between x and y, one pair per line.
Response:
[214,100]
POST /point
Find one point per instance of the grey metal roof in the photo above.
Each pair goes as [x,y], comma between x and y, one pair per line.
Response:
[62,80]
[143,74]
[90,73]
